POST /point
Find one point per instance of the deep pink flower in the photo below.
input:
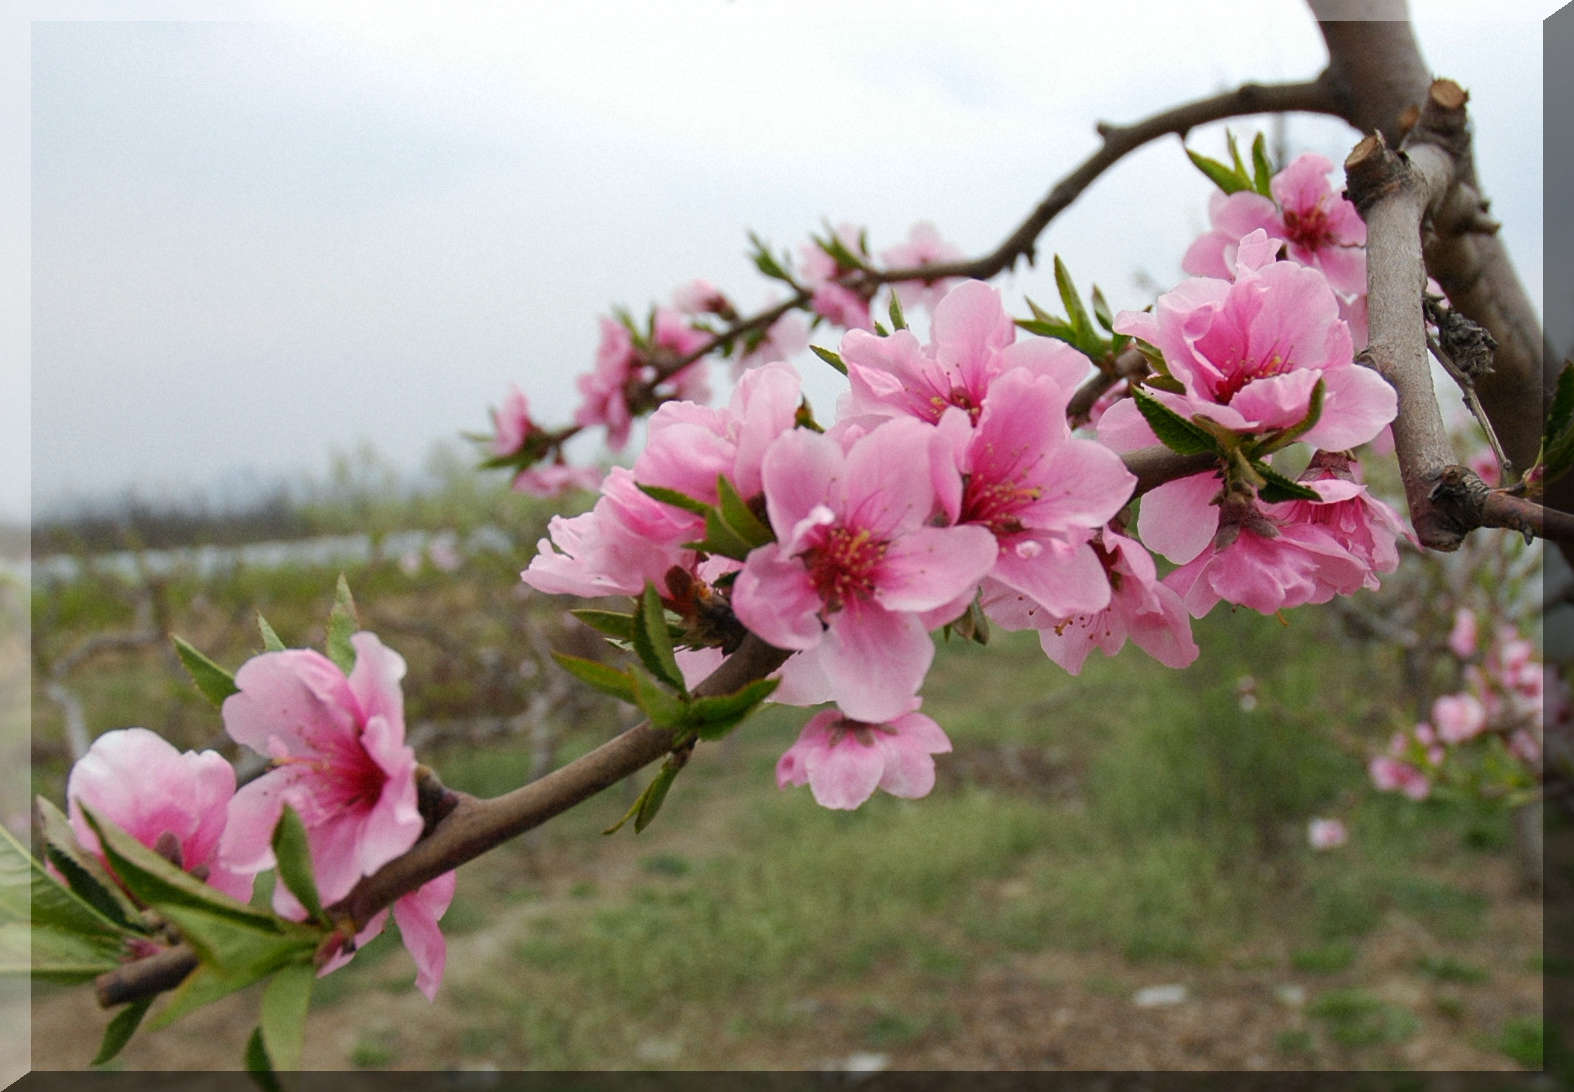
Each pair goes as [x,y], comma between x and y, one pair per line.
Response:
[417,915]
[844,760]
[856,562]
[1364,525]
[136,780]
[972,342]
[620,365]
[1319,227]
[924,246]
[1250,352]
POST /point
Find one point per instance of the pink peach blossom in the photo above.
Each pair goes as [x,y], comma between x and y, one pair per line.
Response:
[1458,717]
[1462,637]
[1323,834]
[166,799]
[555,479]
[511,424]
[845,760]
[924,246]
[830,300]
[1391,775]
[856,562]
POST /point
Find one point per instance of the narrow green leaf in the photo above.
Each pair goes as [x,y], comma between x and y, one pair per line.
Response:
[258,1065]
[1101,310]
[714,717]
[213,681]
[1080,323]
[1235,153]
[674,498]
[1039,313]
[238,949]
[201,988]
[285,1001]
[764,261]
[609,623]
[270,639]
[50,953]
[1056,329]
[830,358]
[898,320]
[739,516]
[1276,487]
[1220,175]
[880,330]
[341,626]
[603,677]
[655,794]
[720,539]
[30,894]
[294,858]
[665,709]
[84,873]
[1173,430]
[157,882]
[652,642]
[1262,170]
[121,1029]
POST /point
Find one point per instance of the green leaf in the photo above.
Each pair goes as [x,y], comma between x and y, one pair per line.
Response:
[1235,153]
[764,261]
[1080,323]
[158,883]
[242,950]
[52,954]
[1262,170]
[714,717]
[1557,442]
[619,625]
[1055,328]
[603,677]
[655,794]
[665,709]
[720,539]
[830,358]
[1226,179]
[270,639]
[898,320]
[674,498]
[1101,310]
[652,642]
[258,1064]
[201,988]
[121,1029]
[294,858]
[341,626]
[739,516]
[213,681]
[30,894]
[1173,430]
[84,873]
[285,1002]
[1276,487]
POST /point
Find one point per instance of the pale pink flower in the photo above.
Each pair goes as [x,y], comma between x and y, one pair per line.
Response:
[555,479]
[856,562]
[786,337]
[1322,834]
[972,342]
[1250,352]
[836,302]
[417,915]
[511,424]
[1458,717]
[1040,491]
[340,761]
[173,801]
[1319,227]
[1141,608]
[700,297]
[443,550]
[339,757]
[1462,637]
[924,246]
[1391,775]
[845,760]
[1267,565]
[620,366]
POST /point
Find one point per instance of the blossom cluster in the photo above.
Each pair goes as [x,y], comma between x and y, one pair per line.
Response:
[952,484]
[338,759]
[1509,696]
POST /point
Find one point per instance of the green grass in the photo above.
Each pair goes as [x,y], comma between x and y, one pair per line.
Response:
[1354,1018]
[1522,1040]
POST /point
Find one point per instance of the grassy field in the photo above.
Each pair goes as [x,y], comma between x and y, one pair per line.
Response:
[1088,840]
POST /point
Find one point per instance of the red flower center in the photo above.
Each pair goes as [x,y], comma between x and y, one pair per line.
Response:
[842,565]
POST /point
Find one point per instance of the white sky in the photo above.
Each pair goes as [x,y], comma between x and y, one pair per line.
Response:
[254,241]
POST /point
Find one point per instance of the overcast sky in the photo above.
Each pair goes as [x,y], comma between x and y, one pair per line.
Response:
[255,241]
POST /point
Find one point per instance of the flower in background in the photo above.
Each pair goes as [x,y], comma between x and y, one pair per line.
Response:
[843,760]
[830,300]
[1322,834]
[924,246]
[173,802]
